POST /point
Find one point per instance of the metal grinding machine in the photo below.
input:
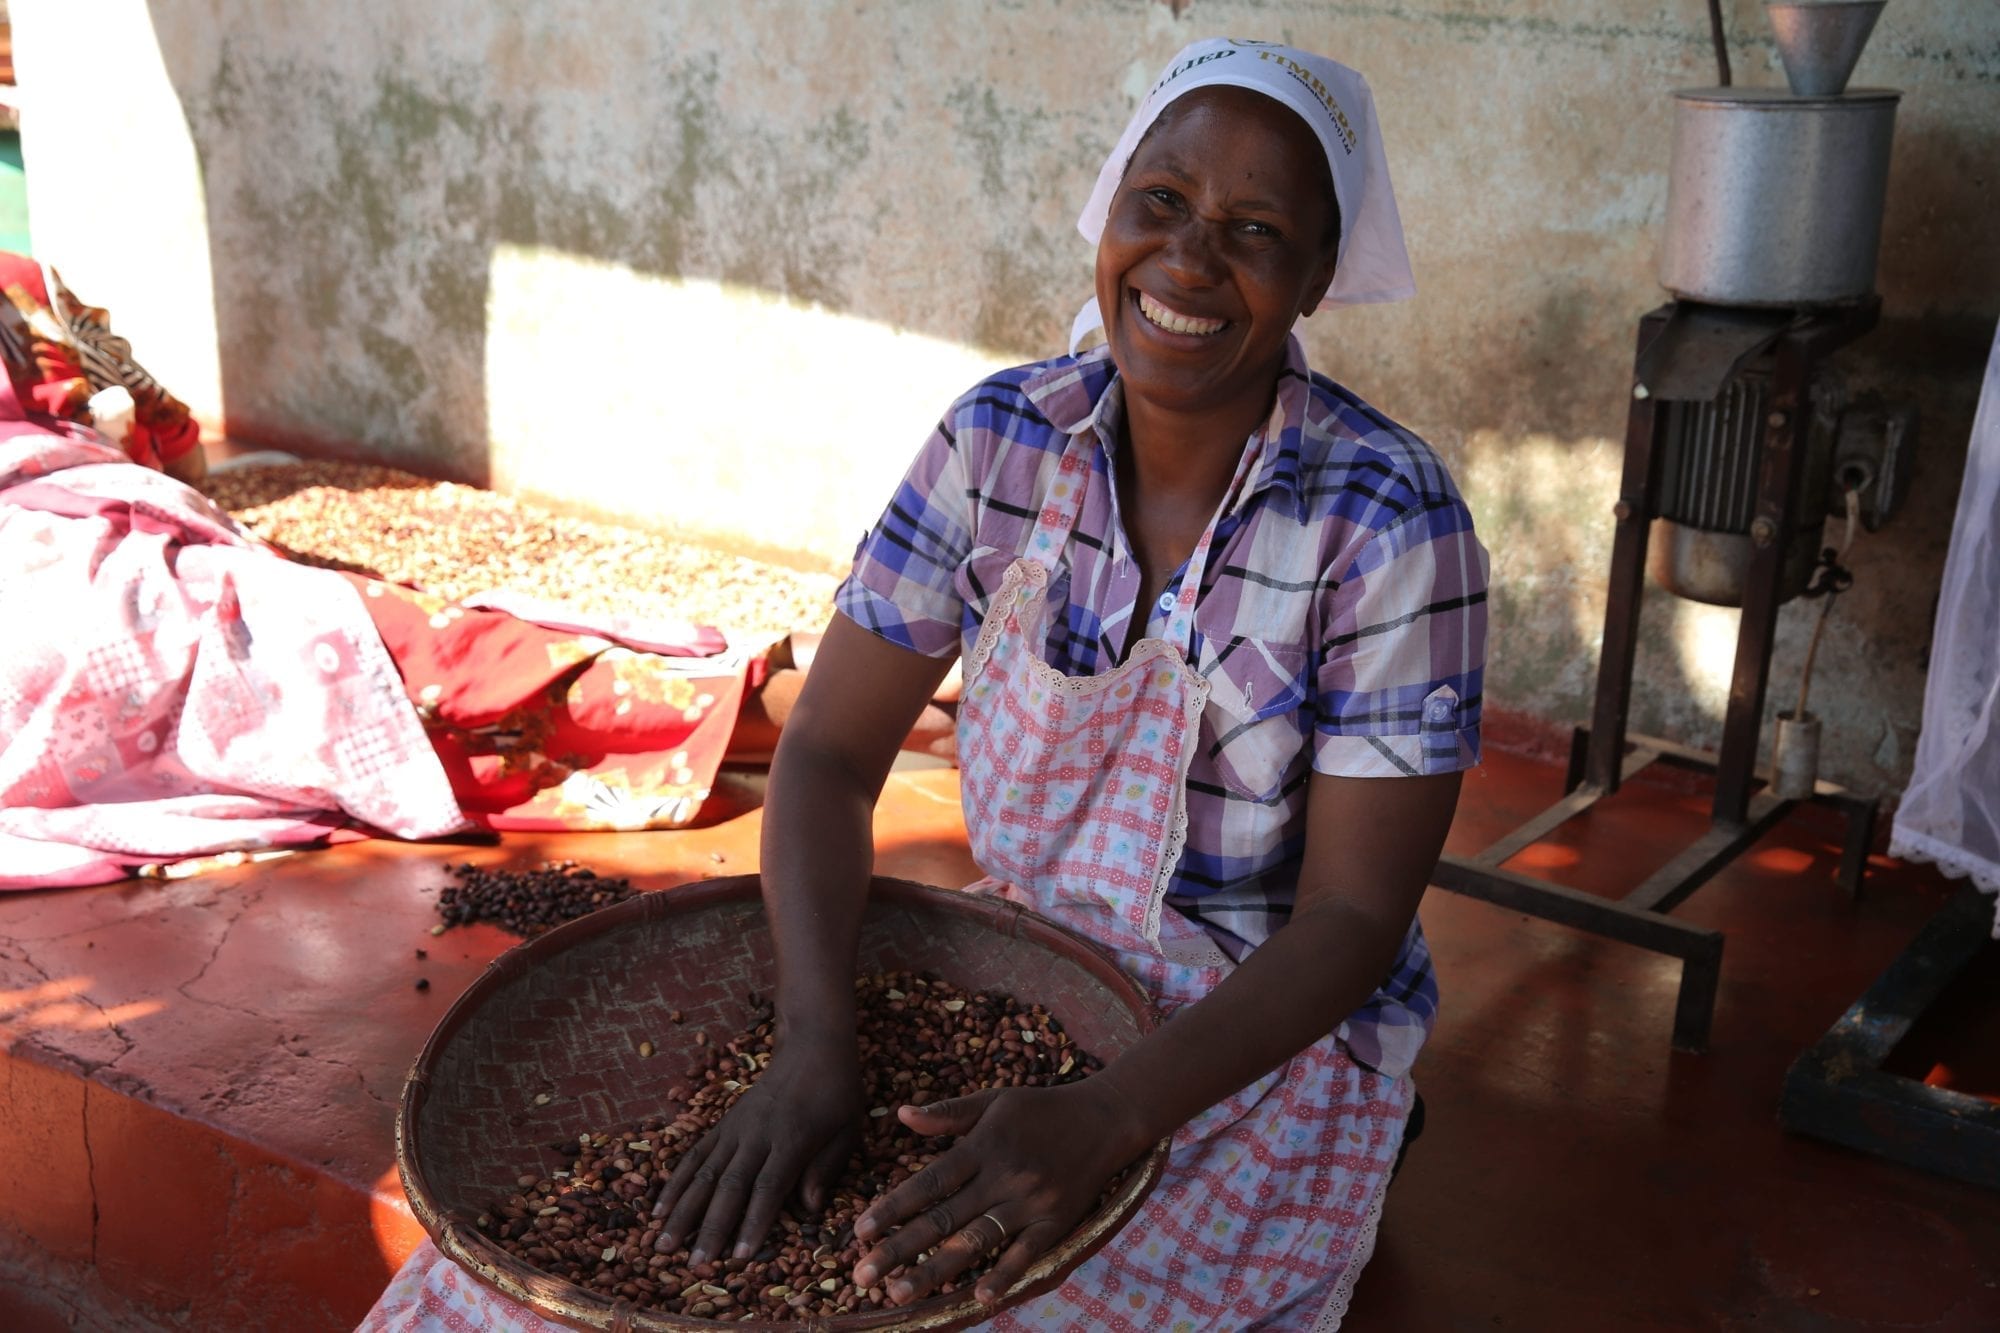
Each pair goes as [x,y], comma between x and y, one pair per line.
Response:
[1740,441]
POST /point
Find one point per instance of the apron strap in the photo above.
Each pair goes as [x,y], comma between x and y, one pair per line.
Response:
[1063,503]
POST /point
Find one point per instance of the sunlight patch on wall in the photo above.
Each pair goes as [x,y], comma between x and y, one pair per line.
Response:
[1705,637]
[135,240]
[704,407]
[1542,507]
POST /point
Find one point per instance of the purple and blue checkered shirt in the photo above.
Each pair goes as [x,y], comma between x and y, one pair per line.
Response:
[1342,625]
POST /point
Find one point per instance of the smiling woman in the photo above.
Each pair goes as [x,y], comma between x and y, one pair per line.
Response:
[1221,236]
[1217,242]
[1223,629]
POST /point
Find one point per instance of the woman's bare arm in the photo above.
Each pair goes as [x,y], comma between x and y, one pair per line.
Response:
[796,1125]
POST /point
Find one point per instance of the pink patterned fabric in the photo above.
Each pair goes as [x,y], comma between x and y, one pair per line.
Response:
[1075,798]
[1264,1219]
[170,689]
[1038,751]
[431,1294]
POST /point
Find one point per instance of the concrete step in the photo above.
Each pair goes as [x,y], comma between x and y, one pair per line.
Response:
[199,1076]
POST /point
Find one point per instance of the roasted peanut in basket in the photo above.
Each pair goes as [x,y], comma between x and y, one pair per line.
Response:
[921,1040]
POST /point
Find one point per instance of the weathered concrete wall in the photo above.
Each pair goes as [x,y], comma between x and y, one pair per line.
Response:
[718,267]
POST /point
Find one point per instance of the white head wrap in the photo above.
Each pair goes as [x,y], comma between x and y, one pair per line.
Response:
[1371,264]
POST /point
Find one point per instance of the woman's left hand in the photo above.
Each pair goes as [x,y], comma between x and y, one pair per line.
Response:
[1028,1165]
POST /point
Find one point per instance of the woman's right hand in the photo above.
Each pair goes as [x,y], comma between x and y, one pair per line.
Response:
[801,1120]
[795,1127]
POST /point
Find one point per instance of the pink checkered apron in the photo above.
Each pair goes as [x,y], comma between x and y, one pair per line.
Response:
[1075,800]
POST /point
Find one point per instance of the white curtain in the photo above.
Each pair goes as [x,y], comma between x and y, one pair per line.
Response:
[1951,813]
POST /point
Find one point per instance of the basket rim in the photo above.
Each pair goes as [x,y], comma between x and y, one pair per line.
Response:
[578,1307]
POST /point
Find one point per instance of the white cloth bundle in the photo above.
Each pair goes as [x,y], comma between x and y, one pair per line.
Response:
[1950,814]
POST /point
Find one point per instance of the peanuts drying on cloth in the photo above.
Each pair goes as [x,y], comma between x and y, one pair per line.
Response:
[454,541]
[590,1220]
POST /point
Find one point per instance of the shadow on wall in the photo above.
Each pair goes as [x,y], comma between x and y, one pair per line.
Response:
[1536,501]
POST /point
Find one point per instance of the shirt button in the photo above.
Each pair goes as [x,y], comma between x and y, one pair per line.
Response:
[1167,600]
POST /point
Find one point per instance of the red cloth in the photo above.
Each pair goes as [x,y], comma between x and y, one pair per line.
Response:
[549,728]
[46,360]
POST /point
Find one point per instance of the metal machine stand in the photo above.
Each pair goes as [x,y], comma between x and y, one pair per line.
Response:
[1603,755]
[1837,1090]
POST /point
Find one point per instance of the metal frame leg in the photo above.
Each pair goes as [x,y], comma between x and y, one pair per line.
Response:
[1838,1090]
[1779,474]
[1860,841]
[1626,590]
[1694,1007]
[1579,753]
[1859,814]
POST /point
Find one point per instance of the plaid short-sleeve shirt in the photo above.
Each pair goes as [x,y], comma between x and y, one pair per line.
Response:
[1341,625]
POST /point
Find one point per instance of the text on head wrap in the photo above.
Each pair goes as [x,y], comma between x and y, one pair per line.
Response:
[1319,91]
[1184,67]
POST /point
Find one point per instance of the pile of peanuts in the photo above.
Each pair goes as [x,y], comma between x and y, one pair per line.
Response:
[526,902]
[454,541]
[921,1040]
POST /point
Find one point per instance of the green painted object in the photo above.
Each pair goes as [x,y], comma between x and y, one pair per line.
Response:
[13,195]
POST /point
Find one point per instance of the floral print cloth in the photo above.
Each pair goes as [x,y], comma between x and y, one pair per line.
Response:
[170,688]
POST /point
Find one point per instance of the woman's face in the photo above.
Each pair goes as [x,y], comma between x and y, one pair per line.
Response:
[1218,239]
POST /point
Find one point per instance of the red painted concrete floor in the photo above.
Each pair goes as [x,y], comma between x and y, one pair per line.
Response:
[198,1081]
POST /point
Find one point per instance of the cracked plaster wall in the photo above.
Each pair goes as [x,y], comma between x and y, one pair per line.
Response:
[656,260]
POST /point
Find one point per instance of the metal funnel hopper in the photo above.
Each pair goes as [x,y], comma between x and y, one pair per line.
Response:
[1819,41]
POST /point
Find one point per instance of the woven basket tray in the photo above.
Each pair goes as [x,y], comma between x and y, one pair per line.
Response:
[562,1015]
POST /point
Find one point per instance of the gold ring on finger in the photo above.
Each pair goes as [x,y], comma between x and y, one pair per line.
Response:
[1001,1243]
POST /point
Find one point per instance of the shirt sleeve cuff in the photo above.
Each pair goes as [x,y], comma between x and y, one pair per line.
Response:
[1396,756]
[886,619]
[1444,739]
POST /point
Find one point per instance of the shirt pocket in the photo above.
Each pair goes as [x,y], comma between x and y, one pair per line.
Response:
[1255,722]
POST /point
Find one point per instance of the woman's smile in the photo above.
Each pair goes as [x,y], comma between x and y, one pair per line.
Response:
[1219,238]
[1166,318]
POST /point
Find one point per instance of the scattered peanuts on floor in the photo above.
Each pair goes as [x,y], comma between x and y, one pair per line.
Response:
[526,902]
